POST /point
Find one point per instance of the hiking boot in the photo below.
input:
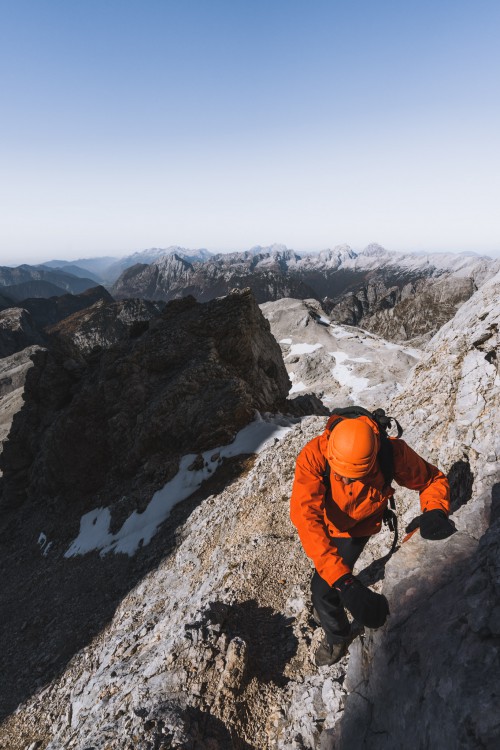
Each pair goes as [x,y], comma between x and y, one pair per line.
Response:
[327,655]
[356,627]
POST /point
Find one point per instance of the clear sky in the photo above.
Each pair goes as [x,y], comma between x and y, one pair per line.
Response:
[229,123]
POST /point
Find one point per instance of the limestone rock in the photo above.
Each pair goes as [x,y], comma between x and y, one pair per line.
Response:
[439,649]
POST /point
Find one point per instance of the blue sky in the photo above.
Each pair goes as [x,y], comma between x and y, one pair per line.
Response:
[217,124]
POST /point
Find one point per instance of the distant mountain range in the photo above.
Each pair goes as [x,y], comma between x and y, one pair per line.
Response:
[106,269]
[400,296]
[364,288]
[25,281]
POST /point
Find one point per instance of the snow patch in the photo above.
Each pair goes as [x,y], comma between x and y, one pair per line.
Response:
[296,387]
[304,348]
[341,333]
[343,374]
[139,528]
[285,341]
[44,544]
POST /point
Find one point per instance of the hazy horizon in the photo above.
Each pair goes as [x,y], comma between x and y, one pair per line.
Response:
[42,260]
[218,123]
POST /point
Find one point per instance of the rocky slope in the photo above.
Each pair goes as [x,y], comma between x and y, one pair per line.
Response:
[202,638]
[75,324]
[111,431]
[392,294]
[439,650]
[416,312]
[103,324]
[341,365]
[47,312]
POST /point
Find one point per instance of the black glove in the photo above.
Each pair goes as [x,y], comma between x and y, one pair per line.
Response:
[367,607]
[434,524]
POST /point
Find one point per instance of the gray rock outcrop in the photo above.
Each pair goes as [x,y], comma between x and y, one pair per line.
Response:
[103,324]
[121,418]
[433,672]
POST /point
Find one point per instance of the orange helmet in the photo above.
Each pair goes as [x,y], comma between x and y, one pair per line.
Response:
[352,448]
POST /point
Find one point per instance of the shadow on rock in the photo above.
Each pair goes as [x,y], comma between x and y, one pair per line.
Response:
[268,637]
[375,571]
[495,503]
[461,480]
[445,623]
[52,606]
[210,733]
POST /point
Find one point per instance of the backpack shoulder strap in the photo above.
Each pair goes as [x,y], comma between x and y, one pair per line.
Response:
[385,458]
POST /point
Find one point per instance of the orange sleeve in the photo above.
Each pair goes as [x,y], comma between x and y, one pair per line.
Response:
[410,470]
[307,514]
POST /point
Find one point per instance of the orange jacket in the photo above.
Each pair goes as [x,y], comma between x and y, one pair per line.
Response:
[354,509]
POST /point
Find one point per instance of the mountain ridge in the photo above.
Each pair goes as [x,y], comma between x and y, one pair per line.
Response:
[354,289]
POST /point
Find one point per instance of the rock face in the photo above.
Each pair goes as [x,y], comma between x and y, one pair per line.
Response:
[13,372]
[391,294]
[120,419]
[413,312]
[103,324]
[439,650]
[186,384]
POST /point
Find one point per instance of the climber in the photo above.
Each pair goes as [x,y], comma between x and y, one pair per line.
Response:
[338,501]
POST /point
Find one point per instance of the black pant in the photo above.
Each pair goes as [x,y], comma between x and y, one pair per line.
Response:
[326,600]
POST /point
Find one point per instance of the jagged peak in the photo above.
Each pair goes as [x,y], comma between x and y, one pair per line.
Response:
[269,249]
[339,252]
[153,254]
[172,260]
[374,249]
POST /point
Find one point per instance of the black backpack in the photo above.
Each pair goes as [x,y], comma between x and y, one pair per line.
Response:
[385,456]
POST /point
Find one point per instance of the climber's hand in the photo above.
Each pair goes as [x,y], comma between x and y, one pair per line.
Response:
[367,607]
[435,524]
